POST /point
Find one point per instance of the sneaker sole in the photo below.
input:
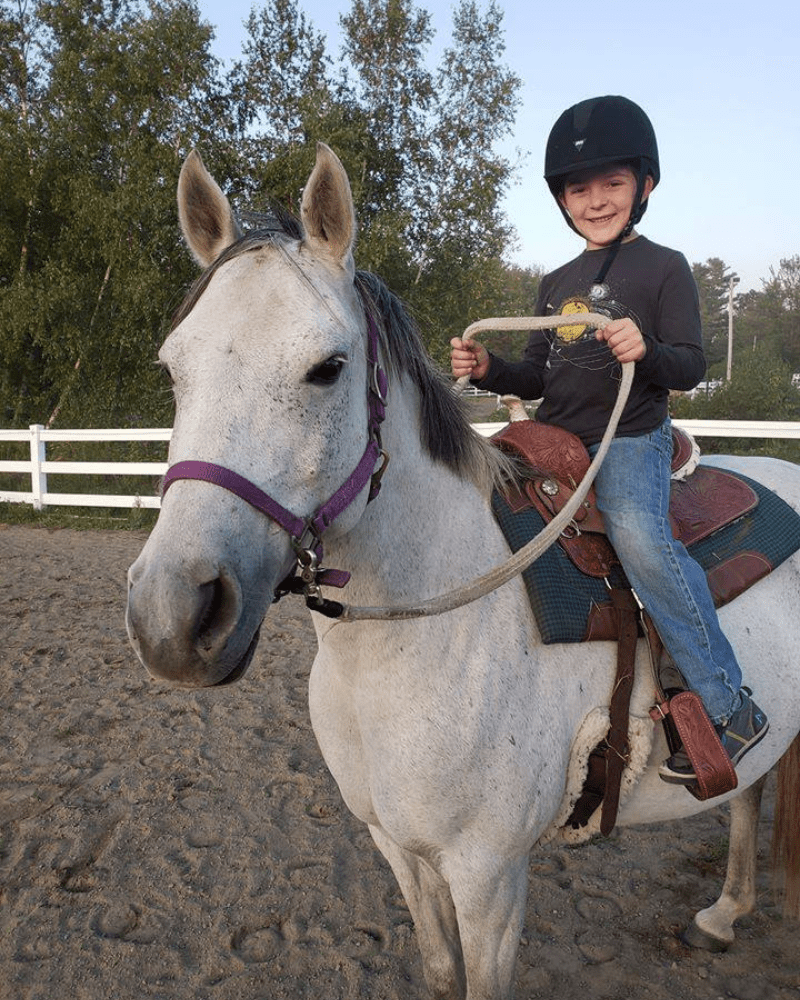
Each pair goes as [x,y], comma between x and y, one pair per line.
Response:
[673,778]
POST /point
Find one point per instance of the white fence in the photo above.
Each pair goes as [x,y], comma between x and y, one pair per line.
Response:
[38,466]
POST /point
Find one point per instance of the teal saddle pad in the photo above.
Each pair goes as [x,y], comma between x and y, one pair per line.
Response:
[562,597]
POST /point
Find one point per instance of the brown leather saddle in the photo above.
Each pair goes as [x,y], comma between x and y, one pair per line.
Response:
[556,462]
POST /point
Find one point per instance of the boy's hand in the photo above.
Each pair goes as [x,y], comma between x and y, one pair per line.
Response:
[469,358]
[625,339]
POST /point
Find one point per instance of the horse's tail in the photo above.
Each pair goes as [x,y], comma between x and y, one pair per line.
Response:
[785,853]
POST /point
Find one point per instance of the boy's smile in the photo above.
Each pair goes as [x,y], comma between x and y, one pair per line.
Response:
[600,203]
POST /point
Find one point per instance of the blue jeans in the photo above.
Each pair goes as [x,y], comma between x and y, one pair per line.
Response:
[633,494]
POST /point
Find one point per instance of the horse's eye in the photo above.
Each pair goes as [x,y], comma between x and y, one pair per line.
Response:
[328,372]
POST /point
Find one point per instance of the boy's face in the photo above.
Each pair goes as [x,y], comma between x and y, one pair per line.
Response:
[600,203]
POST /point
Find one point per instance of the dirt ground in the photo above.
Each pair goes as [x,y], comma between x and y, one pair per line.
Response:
[159,843]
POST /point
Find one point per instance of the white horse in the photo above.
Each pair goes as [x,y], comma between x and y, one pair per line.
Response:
[450,736]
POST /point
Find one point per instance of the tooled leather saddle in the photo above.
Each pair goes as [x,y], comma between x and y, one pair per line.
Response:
[708,499]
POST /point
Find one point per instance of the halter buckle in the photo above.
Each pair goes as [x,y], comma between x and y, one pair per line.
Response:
[377,476]
[307,559]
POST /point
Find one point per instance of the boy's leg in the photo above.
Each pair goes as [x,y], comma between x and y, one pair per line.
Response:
[633,493]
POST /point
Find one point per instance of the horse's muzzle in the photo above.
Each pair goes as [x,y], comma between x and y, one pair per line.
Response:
[190,633]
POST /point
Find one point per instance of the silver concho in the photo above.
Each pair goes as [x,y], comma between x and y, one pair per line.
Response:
[550,487]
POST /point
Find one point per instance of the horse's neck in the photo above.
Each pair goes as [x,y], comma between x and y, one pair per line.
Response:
[427,531]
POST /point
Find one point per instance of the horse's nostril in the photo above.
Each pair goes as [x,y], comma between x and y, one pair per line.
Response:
[218,613]
[211,597]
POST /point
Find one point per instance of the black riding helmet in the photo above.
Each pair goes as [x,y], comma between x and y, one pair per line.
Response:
[597,133]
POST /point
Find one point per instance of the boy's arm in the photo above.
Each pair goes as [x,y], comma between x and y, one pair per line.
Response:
[468,358]
[519,378]
[625,339]
[673,357]
[523,378]
[487,371]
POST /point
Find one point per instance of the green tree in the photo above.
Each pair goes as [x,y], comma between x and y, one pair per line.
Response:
[418,149]
[385,43]
[476,102]
[460,233]
[769,319]
[284,61]
[782,292]
[760,388]
[759,322]
[123,90]
[21,79]
[287,97]
[713,283]
[384,46]
[281,90]
[27,227]
[101,99]
[516,294]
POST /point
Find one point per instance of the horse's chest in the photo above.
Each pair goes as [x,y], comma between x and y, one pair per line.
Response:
[383,750]
[334,717]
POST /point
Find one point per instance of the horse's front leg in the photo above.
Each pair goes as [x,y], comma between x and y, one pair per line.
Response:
[712,928]
[490,906]
[428,898]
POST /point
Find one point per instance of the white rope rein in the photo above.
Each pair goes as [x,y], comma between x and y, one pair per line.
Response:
[528,554]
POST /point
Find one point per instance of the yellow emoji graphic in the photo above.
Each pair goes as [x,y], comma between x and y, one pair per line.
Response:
[569,334]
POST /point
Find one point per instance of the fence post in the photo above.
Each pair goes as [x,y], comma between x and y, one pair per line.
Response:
[38,475]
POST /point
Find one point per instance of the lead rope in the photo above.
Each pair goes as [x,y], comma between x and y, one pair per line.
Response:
[517,563]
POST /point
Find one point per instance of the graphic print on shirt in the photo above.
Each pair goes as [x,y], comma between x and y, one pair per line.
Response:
[576,345]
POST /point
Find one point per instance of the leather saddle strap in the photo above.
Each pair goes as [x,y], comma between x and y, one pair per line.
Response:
[656,649]
[617,754]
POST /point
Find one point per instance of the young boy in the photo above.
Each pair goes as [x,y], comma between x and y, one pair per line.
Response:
[601,165]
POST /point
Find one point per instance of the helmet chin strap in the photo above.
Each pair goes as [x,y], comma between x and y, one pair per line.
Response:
[608,260]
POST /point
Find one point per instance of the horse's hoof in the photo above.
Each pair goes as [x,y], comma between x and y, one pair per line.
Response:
[696,937]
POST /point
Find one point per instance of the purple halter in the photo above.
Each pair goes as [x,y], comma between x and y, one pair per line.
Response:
[306,535]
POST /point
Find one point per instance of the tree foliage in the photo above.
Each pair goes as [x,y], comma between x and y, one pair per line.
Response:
[460,235]
[101,100]
[283,100]
[765,357]
[765,343]
[89,249]
[771,318]
[760,388]
[714,279]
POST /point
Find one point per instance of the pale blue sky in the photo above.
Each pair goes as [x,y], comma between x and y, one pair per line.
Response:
[720,80]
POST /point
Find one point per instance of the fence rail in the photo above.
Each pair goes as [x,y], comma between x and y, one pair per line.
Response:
[38,466]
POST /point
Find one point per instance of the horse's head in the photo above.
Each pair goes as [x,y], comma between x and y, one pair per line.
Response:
[268,357]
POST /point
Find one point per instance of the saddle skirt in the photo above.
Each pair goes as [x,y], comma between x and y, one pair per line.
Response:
[705,503]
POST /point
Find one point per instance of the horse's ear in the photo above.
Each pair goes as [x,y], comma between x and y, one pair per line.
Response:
[205,215]
[327,212]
